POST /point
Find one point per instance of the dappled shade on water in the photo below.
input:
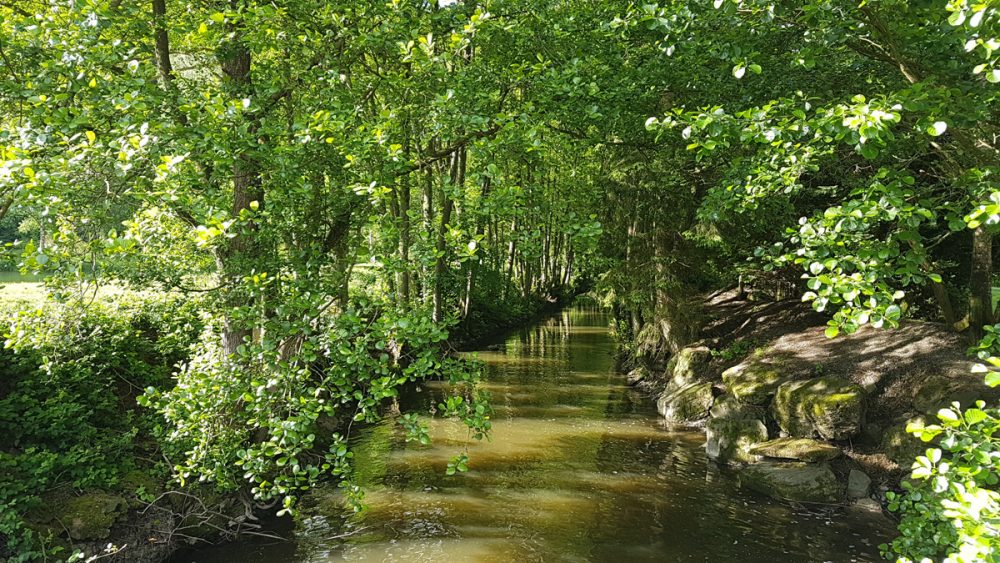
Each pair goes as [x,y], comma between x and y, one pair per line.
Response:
[579,468]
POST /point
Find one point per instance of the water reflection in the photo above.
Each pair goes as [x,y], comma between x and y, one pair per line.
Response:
[580,468]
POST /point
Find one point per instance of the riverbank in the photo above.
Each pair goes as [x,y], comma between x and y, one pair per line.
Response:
[803,417]
[580,468]
[95,475]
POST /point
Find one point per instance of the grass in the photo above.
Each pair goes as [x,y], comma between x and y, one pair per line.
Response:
[18,289]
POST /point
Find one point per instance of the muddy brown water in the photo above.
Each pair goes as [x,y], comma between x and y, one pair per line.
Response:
[579,468]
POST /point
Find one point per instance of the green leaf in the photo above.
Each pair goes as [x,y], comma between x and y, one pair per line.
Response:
[937,128]
[975,416]
[893,312]
[947,415]
[993,379]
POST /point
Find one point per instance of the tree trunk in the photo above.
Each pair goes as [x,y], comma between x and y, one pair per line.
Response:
[162,43]
[981,283]
[241,253]
[404,243]
[470,281]
[441,260]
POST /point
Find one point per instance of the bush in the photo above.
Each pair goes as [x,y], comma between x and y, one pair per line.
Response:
[279,423]
[951,508]
[68,382]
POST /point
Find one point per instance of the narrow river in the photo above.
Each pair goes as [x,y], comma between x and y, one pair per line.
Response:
[580,468]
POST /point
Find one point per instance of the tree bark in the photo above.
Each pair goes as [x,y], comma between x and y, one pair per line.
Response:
[241,253]
[470,280]
[457,178]
[981,283]
[162,43]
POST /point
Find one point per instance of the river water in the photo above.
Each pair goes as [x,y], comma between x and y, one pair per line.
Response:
[579,468]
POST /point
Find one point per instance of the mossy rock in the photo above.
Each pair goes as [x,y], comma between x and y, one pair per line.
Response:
[686,404]
[801,449]
[637,376]
[753,382]
[726,406]
[90,516]
[828,407]
[730,439]
[691,365]
[902,447]
[801,482]
[937,392]
[137,485]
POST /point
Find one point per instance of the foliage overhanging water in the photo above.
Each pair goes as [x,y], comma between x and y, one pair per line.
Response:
[580,468]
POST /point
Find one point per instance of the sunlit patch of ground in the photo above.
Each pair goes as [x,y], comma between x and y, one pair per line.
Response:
[21,293]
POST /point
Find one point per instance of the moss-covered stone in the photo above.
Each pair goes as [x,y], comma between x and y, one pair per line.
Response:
[686,404]
[802,482]
[726,406]
[900,446]
[637,376]
[82,518]
[937,392]
[90,516]
[753,382]
[729,439]
[691,365]
[139,486]
[828,407]
[801,449]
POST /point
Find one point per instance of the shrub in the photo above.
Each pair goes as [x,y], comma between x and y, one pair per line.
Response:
[951,508]
[280,423]
[68,382]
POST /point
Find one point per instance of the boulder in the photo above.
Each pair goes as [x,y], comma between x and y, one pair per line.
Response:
[802,482]
[801,449]
[753,382]
[90,516]
[687,403]
[637,376]
[900,446]
[936,392]
[729,439]
[858,485]
[690,366]
[726,406]
[828,407]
